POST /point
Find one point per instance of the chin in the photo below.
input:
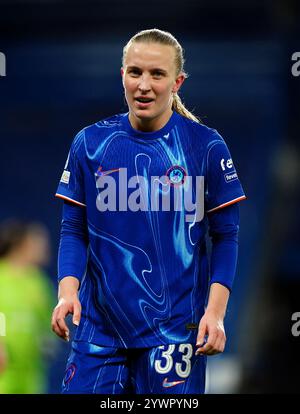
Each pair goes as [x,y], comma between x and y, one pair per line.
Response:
[144,114]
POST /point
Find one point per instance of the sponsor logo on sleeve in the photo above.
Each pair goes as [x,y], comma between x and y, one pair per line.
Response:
[65,178]
[230,177]
[226,164]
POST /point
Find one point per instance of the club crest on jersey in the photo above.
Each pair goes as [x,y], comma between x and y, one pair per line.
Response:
[176,175]
[70,372]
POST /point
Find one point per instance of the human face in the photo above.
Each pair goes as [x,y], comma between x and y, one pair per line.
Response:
[149,80]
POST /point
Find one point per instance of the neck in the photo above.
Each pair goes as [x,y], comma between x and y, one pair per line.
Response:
[149,125]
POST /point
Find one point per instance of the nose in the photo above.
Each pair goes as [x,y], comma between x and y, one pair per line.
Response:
[144,85]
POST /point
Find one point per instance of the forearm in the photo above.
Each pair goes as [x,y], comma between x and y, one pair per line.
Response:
[72,253]
[68,286]
[224,226]
[218,300]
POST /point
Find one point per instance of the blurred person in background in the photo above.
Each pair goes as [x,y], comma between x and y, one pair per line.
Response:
[142,276]
[26,301]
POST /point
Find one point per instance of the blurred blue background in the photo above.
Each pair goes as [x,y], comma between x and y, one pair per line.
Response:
[63,72]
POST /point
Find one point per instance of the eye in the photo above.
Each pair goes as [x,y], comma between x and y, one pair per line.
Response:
[134,72]
[157,74]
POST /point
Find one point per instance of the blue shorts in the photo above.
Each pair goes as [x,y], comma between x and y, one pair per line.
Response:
[166,369]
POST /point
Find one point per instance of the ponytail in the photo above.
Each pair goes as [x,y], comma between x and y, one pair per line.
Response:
[179,107]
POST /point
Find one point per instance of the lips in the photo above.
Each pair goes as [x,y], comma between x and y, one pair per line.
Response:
[143,102]
[143,99]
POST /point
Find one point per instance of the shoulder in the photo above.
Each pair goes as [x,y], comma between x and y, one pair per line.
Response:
[113,121]
[104,126]
[207,135]
[97,130]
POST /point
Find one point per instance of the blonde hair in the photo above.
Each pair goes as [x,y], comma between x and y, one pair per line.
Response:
[165,38]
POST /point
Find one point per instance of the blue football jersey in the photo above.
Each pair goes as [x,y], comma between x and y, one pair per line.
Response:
[146,196]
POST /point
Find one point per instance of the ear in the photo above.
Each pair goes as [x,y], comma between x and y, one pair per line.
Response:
[122,74]
[178,82]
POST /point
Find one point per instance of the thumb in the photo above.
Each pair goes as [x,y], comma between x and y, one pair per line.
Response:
[76,314]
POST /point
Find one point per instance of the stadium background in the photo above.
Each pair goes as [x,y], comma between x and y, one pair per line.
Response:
[63,62]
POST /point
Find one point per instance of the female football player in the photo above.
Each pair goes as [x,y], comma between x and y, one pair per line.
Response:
[141,190]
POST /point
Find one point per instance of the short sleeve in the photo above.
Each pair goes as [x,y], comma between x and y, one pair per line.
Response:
[71,184]
[223,186]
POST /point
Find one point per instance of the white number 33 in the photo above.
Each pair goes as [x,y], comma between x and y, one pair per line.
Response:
[183,368]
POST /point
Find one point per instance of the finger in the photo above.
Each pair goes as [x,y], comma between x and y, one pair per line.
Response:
[59,332]
[212,352]
[209,346]
[219,345]
[204,350]
[77,314]
[56,328]
[63,326]
[201,335]
[214,349]
[54,325]
[211,340]
[60,325]
[220,342]
[218,348]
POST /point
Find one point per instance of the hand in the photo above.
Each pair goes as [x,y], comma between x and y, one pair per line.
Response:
[210,326]
[65,306]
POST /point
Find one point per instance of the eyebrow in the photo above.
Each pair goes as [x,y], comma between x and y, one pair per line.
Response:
[151,70]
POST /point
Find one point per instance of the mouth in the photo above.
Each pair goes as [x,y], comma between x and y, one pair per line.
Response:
[144,102]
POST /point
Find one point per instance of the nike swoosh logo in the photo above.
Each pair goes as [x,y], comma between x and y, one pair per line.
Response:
[167,384]
[100,173]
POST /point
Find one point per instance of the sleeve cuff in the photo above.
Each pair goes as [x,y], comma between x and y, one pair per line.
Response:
[228,203]
[69,199]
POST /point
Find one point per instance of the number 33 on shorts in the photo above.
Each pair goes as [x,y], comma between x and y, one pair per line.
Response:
[179,368]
